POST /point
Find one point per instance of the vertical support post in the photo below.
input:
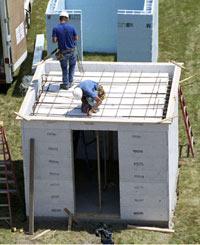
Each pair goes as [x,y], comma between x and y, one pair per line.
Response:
[31,187]
[99,170]
[110,156]
[105,160]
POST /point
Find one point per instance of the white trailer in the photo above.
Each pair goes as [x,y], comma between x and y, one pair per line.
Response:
[119,164]
[13,48]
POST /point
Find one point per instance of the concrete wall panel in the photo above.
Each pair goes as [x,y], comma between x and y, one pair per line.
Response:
[51,197]
[134,40]
[146,170]
[143,214]
[53,168]
[144,201]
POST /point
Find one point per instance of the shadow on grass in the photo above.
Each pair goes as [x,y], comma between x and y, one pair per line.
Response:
[110,57]
[4,88]
[82,226]
[25,69]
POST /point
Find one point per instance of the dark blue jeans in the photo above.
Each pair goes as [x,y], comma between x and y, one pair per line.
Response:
[68,64]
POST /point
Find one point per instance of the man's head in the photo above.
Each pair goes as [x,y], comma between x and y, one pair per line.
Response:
[101,92]
[64,16]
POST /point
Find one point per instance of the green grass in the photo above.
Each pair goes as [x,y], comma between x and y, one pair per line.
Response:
[179,35]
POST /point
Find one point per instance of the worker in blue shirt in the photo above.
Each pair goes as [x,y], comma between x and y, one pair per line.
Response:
[91,94]
[65,35]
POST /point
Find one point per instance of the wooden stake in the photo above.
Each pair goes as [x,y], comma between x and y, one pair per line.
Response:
[71,219]
[31,187]
[177,64]
[69,213]
[157,229]
[99,170]
[188,78]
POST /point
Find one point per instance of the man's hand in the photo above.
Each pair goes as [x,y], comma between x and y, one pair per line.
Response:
[54,39]
[98,100]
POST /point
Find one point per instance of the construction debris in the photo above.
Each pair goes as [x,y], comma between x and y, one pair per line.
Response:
[40,234]
[157,229]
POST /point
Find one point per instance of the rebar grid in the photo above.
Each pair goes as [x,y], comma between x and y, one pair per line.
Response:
[156,99]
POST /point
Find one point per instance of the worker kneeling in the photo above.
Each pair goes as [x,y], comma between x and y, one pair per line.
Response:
[91,94]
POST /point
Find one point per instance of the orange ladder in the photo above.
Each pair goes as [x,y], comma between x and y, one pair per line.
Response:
[7,179]
[188,127]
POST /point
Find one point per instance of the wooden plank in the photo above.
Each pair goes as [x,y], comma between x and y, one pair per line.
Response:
[31,187]
[157,229]
[39,235]
[22,116]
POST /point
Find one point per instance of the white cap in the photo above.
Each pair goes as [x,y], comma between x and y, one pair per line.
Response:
[77,93]
[64,14]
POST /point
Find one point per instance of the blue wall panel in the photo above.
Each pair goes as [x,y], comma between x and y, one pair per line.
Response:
[99,22]
[134,41]
[100,27]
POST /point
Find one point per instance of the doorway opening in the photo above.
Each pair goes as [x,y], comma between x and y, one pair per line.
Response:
[96,172]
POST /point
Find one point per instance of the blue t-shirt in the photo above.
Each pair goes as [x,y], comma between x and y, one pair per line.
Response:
[65,34]
[89,88]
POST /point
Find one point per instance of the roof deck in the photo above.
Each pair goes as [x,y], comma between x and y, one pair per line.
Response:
[133,93]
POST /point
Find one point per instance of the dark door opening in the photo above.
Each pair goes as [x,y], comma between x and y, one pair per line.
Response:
[96,172]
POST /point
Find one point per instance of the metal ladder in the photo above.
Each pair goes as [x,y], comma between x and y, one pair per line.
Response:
[188,127]
[7,179]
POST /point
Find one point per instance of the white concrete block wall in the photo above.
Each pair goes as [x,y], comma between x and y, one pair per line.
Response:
[144,201]
[143,163]
[51,197]
[53,169]
[143,169]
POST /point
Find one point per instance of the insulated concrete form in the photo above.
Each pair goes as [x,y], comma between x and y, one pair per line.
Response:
[141,105]
[127,28]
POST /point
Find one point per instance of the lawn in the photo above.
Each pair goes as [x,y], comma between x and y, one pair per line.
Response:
[179,37]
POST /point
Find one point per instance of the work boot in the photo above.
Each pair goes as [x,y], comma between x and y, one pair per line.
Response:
[64,86]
